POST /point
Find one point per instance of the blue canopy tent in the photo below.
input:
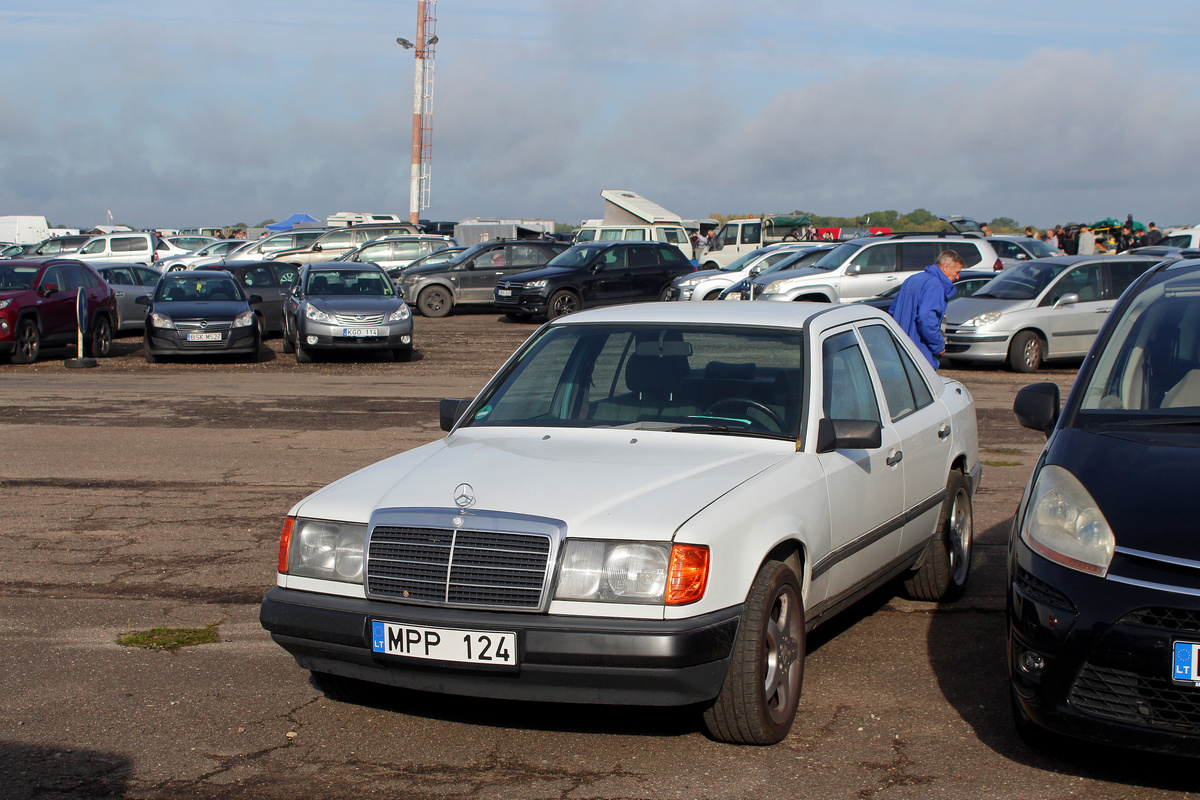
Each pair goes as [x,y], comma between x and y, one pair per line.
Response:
[290,222]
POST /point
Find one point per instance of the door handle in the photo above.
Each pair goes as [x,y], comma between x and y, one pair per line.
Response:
[1103,310]
[895,458]
[944,431]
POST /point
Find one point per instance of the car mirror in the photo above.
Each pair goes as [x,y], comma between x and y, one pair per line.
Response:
[1067,300]
[1037,407]
[848,434]
[316,248]
[755,269]
[254,299]
[853,269]
[48,289]
[142,300]
[449,411]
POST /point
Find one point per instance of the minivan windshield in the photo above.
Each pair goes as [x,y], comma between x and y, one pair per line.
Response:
[683,378]
[1022,282]
[837,256]
[1150,364]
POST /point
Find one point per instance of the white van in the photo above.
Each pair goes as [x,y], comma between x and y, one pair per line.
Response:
[595,230]
[737,237]
[135,247]
[1182,237]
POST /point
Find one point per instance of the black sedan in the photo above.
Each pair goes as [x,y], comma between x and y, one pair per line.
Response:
[200,313]
[1104,556]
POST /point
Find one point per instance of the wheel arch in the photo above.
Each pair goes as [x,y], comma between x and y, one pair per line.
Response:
[439,283]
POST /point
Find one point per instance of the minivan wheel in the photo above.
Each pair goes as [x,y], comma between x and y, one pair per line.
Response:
[758,700]
[1025,353]
[561,303]
[434,301]
[28,344]
[100,343]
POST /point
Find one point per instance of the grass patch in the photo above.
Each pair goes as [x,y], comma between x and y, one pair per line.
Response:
[164,638]
[1002,463]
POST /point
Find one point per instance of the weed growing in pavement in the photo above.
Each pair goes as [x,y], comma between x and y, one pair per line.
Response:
[164,638]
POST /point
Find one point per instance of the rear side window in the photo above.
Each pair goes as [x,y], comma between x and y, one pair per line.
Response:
[1123,273]
[670,255]
[903,386]
[146,277]
[524,255]
[643,256]
[916,256]
[969,252]
[129,244]
[635,235]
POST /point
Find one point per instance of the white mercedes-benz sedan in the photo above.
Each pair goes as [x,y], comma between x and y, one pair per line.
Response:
[649,504]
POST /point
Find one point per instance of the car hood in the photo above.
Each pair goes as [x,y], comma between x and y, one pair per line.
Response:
[703,273]
[1144,482]
[428,269]
[788,274]
[356,305]
[961,309]
[602,482]
[548,273]
[201,309]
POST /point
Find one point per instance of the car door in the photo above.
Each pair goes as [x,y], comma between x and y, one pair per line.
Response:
[607,279]
[922,425]
[866,486]
[260,280]
[127,289]
[1071,328]
[475,280]
[57,308]
[876,272]
[647,275]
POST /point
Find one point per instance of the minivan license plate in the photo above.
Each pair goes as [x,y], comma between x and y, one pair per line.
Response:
[493,648]
[1185,662]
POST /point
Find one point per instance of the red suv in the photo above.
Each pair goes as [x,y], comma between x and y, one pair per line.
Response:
[37,308]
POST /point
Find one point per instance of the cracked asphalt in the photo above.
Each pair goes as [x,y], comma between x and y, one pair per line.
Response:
[135,495]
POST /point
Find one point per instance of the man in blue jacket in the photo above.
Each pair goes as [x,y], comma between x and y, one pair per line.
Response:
[921,303]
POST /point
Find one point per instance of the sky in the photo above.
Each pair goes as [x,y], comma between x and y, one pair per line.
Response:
[211,112]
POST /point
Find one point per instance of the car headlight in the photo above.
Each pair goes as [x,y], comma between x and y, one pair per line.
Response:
[317,548]
[774,288]
[400,314]
[632,572]
[982,319]
[535,285]
[5,303]
[317,315]
[688,283]
[159,320]
[1064,524]
[244,319]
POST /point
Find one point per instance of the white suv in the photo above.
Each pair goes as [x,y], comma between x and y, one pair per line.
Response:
[862,268]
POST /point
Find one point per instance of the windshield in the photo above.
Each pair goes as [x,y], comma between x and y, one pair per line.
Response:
[740,263]
[836,257]
[694,379]
[1022,282]
[805,258]
[17,277]
[344,282]
[576,256]
[192,289]
[1039,248]
[1150,364]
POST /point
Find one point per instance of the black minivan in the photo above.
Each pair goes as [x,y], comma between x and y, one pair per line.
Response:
[593,274]
[1104,555]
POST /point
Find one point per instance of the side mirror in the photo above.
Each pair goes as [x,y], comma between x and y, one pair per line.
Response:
[853,269]
[450,410]
[1067,300]
[254,299]
[142,300]
[1037,407]
[757,268]
[48,289]
[848,434]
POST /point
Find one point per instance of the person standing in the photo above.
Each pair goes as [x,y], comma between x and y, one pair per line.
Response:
[921,302]
[1153,234]
[1087,241]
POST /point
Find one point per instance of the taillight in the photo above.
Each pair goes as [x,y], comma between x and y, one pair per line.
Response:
[687,576]
[285,542]
[998,266]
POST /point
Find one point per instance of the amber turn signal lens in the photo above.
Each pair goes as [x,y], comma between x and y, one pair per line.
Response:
[688,574]
[285,542]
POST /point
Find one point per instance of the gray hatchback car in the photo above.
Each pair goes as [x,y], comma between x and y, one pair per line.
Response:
[1040,309]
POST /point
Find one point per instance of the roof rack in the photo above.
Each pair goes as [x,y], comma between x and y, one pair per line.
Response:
[936,234]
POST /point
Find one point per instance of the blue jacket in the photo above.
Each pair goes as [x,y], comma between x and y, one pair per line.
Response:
[919,307]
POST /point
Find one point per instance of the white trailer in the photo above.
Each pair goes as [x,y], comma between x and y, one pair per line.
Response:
[23,230]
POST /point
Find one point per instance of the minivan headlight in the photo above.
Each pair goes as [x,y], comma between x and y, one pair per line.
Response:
[331,551]
[981,320]
[1064,524]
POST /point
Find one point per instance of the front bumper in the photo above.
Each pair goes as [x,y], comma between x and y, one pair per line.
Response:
[534,304]
[561,659]
[386,335]
[165,341]
[1107,653]
[969,344]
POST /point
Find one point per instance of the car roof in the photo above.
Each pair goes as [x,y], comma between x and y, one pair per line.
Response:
[757,315]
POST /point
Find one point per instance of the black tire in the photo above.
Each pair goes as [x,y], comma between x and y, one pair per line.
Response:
[715,294]
[943,574]
[1025,354]
[665,294]
[561,303]
[99,344]
[402,354]
[28,342]
[346,690]
[303,355]
[434,301]
[758,700]
[516,316]
[288,347]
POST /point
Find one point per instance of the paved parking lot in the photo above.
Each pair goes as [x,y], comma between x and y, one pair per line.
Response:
[137,495]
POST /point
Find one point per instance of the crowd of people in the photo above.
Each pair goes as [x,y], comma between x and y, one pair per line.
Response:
[1084,241]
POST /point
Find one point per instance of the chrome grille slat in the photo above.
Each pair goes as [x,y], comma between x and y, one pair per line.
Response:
[352,321]
[458,567]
